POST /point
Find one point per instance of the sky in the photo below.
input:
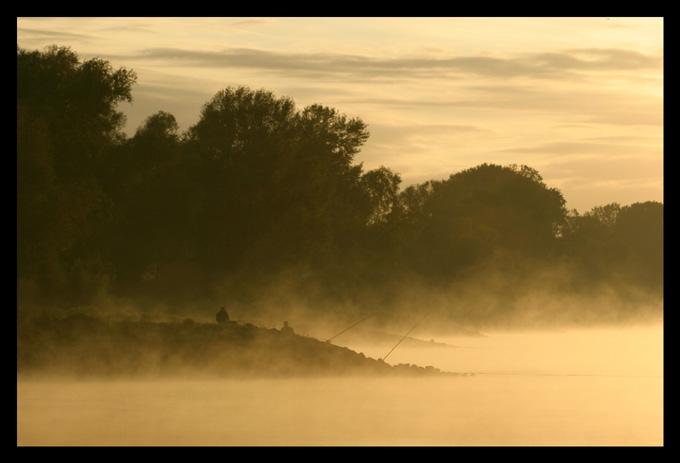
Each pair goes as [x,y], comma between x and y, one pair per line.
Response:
[579,99]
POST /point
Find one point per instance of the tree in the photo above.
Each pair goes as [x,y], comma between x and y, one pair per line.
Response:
[329,181]
[66,123]
[151,201]
[479,213]
[240,148]
[640,229]
[381,189]
[621,247]
[77,102]
[277,182]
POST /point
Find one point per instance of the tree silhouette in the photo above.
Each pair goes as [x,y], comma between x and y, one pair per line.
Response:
[258,193]
[452,224]
[66,123]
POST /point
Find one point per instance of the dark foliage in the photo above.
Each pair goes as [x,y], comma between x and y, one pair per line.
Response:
[259,201]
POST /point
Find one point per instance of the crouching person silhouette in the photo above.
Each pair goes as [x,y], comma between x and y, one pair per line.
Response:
[222,316]
[287,329]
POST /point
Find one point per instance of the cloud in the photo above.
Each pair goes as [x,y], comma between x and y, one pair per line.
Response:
[147,28]
[578,148]
[50,35]
[251,22]
[596,59]
[606,169]
[538,66]
[590,104]
[396,135]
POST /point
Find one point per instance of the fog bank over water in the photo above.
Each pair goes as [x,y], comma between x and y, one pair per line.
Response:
[610,351]
[599,386]
[497,294]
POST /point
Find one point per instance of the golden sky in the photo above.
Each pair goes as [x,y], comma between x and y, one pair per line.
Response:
[579,99]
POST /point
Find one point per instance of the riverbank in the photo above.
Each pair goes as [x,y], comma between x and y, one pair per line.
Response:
[85,346]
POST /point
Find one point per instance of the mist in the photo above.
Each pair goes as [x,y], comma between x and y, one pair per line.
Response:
[585,387]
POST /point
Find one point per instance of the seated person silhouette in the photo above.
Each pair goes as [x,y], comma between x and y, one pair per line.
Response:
[222,316]
[287,329]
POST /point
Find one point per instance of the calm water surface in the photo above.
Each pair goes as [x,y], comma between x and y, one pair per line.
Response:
[558,388]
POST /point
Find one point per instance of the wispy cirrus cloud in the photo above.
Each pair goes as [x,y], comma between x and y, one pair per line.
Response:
[48,34]
[540,66]
[597,59]
[580,148]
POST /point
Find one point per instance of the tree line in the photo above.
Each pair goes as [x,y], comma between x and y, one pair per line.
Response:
[259,197]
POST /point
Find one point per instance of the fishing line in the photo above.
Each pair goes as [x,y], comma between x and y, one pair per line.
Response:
[328,340]
[414,326]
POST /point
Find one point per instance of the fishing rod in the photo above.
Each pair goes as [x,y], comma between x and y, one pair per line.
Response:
[328,340]
[414,326]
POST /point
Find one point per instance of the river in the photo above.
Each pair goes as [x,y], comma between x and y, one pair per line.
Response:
[554,388]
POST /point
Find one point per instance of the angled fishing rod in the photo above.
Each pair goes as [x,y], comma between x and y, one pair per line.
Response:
[328,340]
[414,326]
